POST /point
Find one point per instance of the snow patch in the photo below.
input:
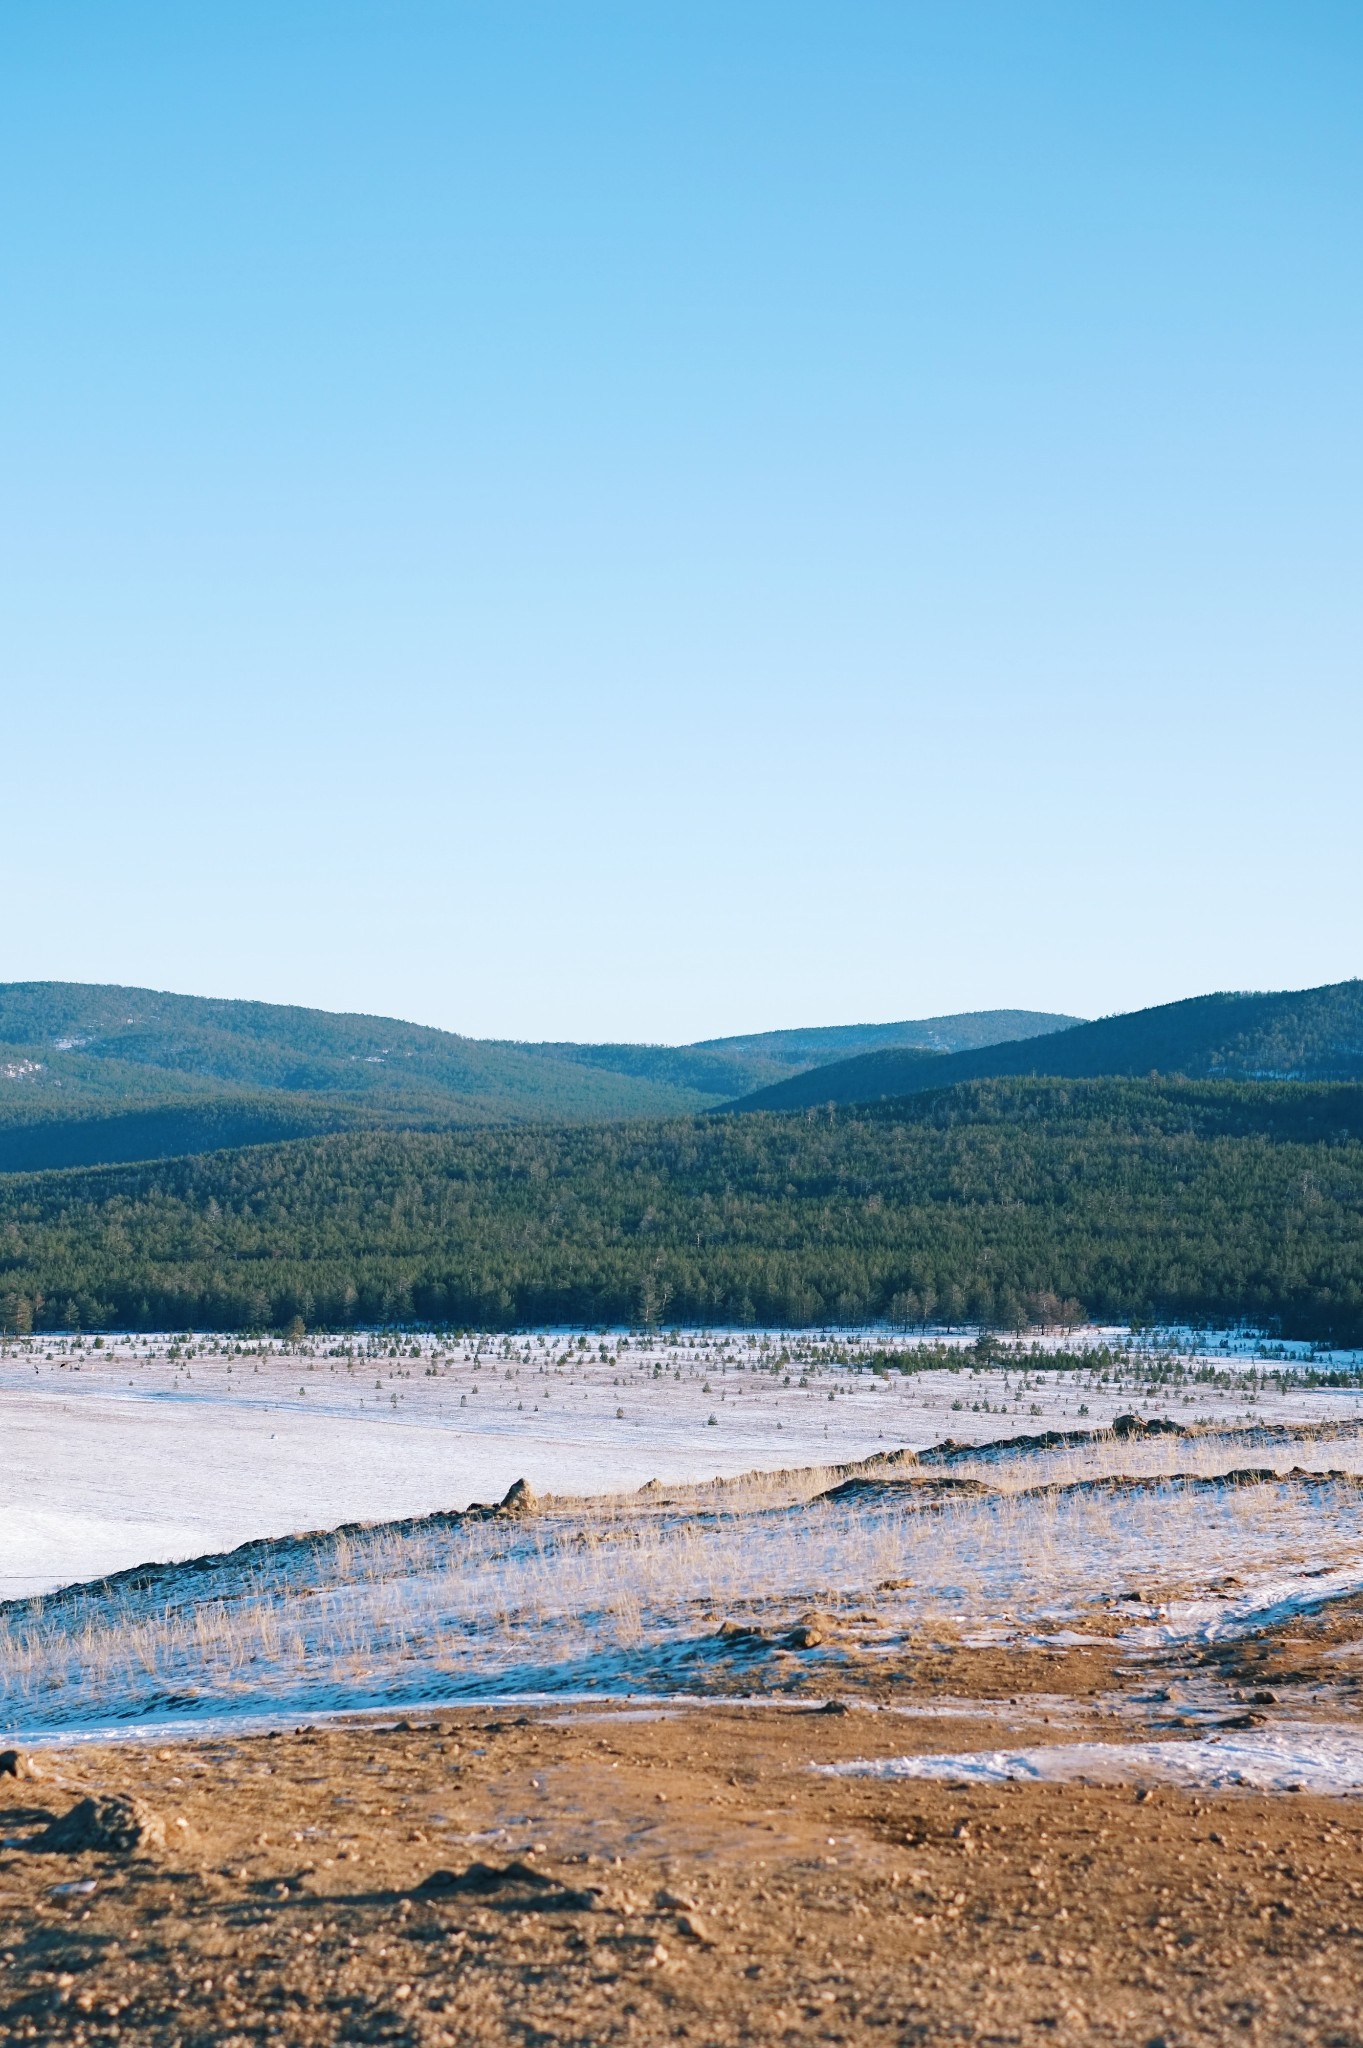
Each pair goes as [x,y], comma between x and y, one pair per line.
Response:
[1294,1757]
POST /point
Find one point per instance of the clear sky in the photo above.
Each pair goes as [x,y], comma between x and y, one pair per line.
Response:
[651,520]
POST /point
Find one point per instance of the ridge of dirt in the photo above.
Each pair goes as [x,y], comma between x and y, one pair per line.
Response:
[143,1578]
[934,1492]
[951,1451]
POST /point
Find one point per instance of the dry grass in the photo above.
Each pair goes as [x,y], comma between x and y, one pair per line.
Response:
[629,1593]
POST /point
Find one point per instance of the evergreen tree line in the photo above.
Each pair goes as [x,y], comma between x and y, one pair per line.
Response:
[1003,1203]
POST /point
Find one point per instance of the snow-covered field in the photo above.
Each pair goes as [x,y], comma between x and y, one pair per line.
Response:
[170,1451]
[1144,1541]
[151,1449]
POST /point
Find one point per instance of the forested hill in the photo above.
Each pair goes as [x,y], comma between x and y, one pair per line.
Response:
[999,1201]
[92,1073]
[812,1045]
[1308,1034]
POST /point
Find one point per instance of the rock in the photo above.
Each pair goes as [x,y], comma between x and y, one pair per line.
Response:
[741,1635]
[519,1499]
[484,1877]
[695,1929]
[1156,1425]
[673,1902]
[114,1821]
[832,1707]
[14,1763]
[914,1489]
[805,1636]
[513,1884]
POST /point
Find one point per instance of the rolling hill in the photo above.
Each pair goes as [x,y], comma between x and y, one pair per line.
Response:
[92,1073]
[1311,1034]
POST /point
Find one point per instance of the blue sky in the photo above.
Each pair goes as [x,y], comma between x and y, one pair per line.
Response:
[647,521]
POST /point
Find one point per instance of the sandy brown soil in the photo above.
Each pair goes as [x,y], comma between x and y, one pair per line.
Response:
[686,1878]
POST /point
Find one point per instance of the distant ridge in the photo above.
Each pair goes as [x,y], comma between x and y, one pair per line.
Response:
[93,1074]
[711,1064]
[962,1032]
[1299,1035]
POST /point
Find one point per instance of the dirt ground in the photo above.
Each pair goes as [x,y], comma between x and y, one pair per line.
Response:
[591,1876]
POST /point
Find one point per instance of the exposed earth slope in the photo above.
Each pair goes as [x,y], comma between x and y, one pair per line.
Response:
[702,1877]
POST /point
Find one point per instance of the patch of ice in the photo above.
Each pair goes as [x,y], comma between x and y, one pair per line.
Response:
[1273,1600]
[1035,1707]
[1294,1757]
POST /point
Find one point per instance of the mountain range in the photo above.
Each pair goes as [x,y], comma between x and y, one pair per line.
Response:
[93,1074]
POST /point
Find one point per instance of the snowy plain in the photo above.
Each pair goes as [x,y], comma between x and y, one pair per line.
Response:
[151,1449]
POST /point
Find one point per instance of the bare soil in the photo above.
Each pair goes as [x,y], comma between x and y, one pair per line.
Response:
[586,1877]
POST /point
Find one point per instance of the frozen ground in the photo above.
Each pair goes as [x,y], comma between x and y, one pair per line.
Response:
[151,1449]
[1308,1757]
